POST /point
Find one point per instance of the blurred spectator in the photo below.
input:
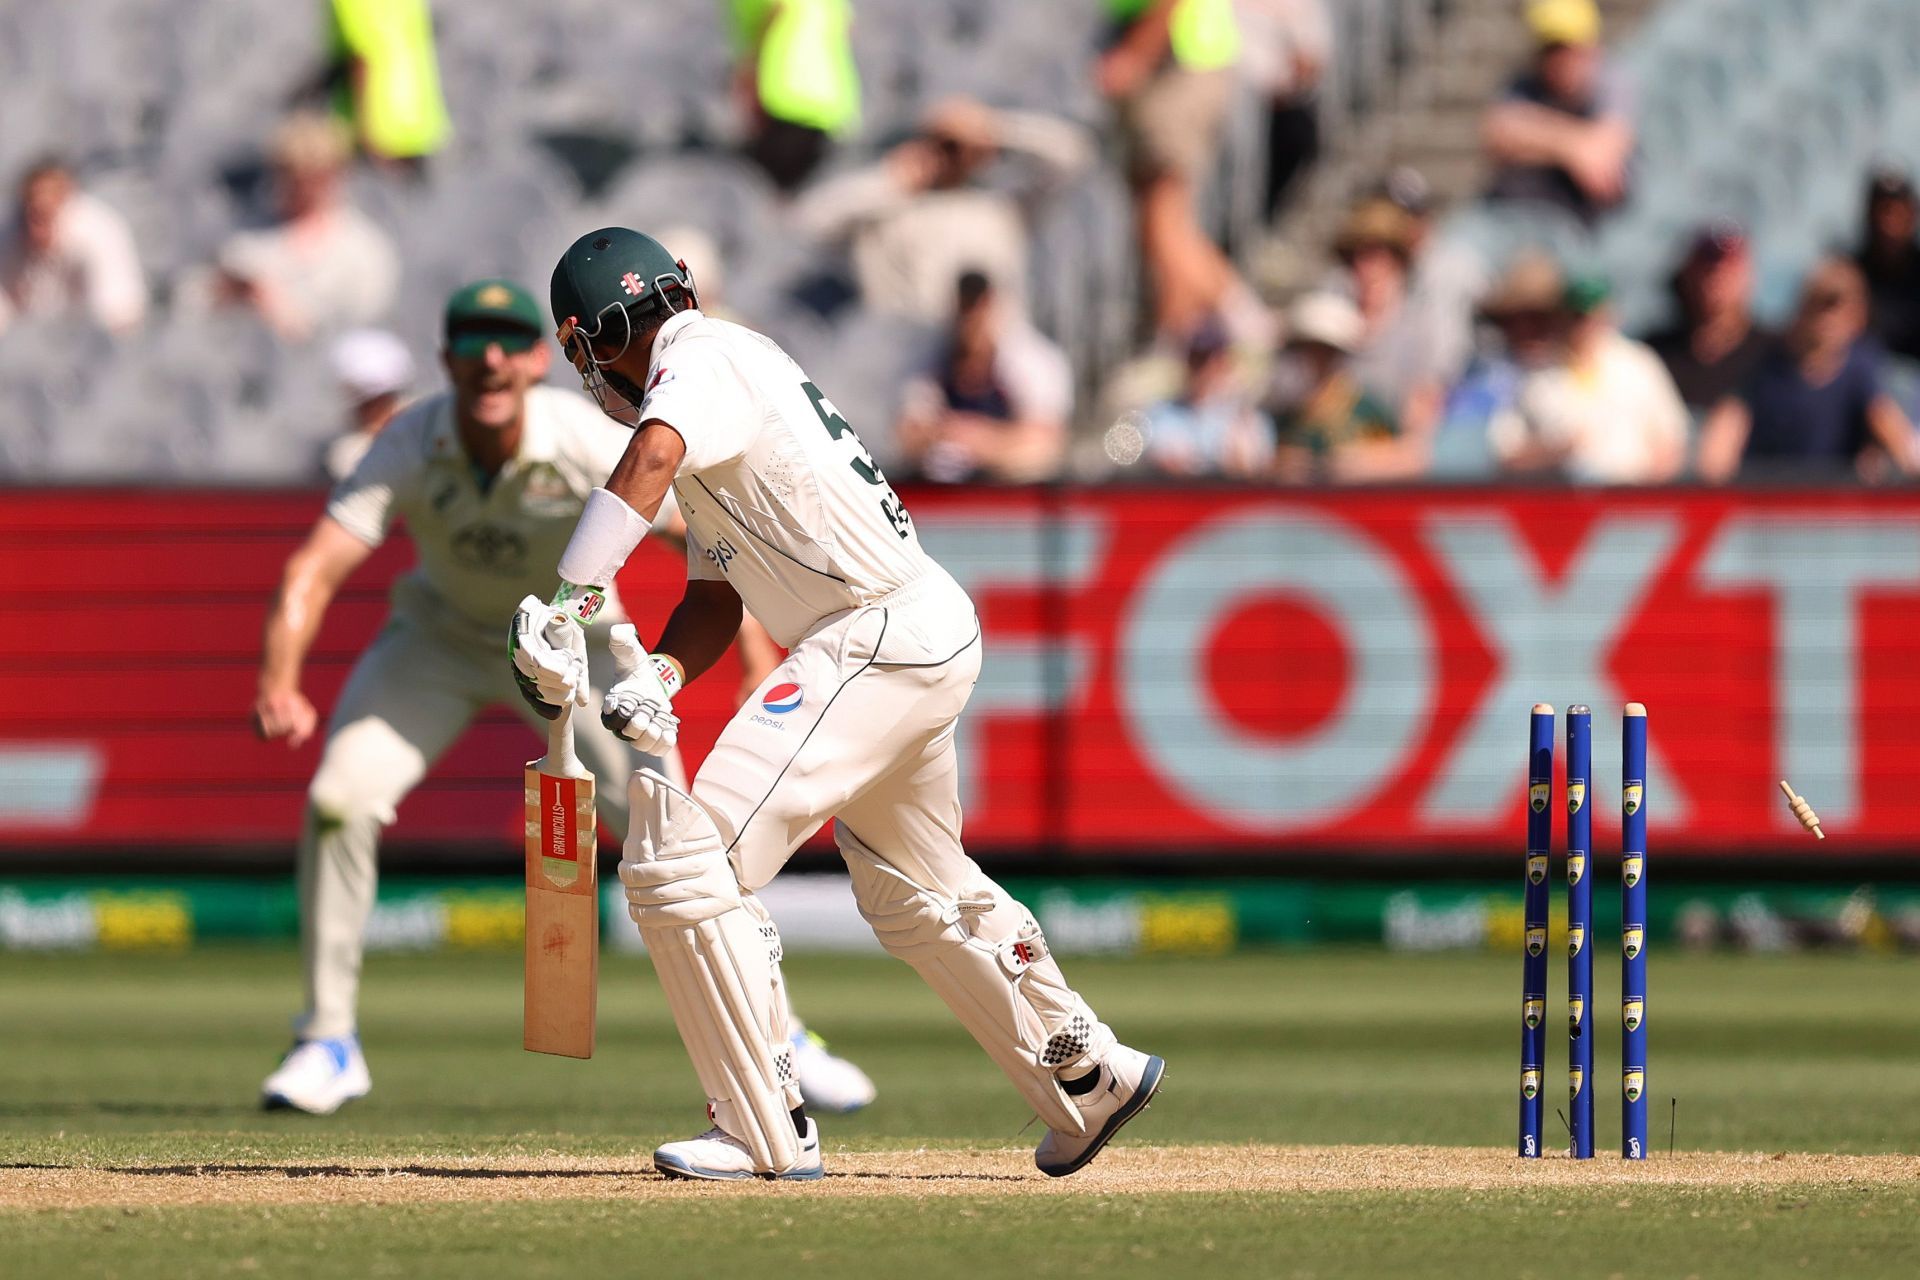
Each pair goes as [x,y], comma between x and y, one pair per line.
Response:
[1212,427]
[323,265]
[1817,396]
[65,251]
[1403,356]
[1889,256]
[1607,413]
[1714,346]
[996,401]
[922,215]
[1325,424]
[1285,51]
[1169,72]
[374,369]
[1563,133]
[385,78]
[795,81]
[1448,276]
[1524,315]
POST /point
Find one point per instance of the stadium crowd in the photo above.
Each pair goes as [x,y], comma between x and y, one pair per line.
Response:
[932,237]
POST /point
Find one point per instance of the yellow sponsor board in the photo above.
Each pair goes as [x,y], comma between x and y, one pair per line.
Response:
[485,920]
[142,921]
[1188,926]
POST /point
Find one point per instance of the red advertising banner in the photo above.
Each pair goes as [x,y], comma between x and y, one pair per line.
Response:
[1166,670]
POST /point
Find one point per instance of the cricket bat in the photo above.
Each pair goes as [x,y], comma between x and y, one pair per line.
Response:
[563,902]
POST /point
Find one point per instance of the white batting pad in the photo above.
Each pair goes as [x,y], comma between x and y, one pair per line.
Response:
[983,953]
[717,955]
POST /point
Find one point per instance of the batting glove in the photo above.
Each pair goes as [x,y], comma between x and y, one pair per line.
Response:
[639,707]
[549,651]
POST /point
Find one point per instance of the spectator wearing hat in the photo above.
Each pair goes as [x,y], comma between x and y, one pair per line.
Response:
[67,252]
[1714,345]
[1326,425]
[1817,399]
[1607,412]
[926,212]
[322,266]
[1523,335]
[1212,426]
[1402,357]
[374,369]
[995,402]
[1889,257]
[1562,134]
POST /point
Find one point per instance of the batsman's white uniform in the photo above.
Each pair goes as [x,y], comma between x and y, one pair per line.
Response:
[857,724]
[436,664]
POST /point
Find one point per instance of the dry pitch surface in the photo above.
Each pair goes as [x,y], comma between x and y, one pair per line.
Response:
[918,1174]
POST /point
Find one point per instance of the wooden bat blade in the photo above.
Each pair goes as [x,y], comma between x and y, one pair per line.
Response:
[563,915]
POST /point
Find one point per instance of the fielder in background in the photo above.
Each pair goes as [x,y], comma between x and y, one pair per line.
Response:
[490,478]
[788,515]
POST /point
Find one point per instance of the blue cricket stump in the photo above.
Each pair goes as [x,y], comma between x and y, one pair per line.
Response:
[1633,932]
[1533,989]
[1579,931]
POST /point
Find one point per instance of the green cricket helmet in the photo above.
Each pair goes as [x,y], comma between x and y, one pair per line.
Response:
[610,285]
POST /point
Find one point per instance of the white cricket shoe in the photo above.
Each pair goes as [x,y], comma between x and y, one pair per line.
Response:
[828,1083]
[1128,1081]
[317,1076]
[719,1156]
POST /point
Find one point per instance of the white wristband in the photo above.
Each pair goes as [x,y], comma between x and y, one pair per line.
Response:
[608,532]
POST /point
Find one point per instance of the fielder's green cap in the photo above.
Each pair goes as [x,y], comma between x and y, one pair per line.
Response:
[489,311]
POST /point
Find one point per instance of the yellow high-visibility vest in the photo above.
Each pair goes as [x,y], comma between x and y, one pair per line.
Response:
[1203,33]
[806,73]
[405,114]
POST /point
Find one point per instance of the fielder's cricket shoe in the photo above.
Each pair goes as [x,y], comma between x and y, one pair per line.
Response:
[1126,1083]
[317,1076]
[719,1156]
[828,1083]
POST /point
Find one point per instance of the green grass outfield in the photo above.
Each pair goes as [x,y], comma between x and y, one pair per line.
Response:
[126,1062]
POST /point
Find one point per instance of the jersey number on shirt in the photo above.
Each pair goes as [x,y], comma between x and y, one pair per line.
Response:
[862,463]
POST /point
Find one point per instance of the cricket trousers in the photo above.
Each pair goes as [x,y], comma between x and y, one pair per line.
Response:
[857,725]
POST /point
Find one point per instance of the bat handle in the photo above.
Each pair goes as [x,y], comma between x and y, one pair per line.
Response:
[562,759]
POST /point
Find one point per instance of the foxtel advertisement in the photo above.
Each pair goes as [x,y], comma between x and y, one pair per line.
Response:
[1167,670]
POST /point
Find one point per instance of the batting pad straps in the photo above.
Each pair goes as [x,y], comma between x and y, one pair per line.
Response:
[984,955]
[608,532]
[716,953]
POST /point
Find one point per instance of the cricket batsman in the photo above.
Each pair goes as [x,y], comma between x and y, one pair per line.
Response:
[787,515]
[490,478]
